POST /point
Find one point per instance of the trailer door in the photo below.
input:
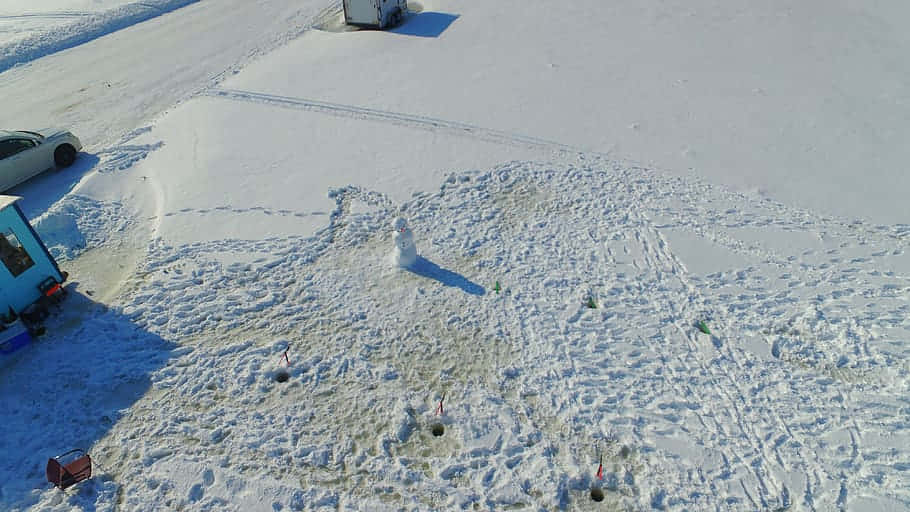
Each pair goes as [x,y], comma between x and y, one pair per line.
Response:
[361,12]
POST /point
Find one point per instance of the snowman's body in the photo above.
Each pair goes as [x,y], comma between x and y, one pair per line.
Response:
[405,252]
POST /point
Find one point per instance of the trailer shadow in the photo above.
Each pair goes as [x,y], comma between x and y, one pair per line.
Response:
[68,389]
[426,268]
[425,24]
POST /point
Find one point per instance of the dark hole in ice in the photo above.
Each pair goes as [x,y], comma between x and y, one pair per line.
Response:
[438,429]
[282,376]
[597,494]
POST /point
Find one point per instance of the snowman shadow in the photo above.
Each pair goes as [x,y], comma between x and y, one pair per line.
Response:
[426,268]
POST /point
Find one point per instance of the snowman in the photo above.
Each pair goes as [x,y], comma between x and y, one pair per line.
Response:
[405,252]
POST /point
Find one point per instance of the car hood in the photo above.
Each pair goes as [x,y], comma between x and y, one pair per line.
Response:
[55,136]
[49,132]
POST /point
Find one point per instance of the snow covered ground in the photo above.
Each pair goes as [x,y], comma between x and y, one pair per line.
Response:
[642,159]
[29,31]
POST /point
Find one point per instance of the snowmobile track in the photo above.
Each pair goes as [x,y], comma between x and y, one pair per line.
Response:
[402,119]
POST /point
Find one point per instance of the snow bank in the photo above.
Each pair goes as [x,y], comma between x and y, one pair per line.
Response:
[79,222]
[83,30]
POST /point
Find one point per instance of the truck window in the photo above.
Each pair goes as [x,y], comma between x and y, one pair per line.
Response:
[13,255]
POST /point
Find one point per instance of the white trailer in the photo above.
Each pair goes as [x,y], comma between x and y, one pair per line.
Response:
[374,13]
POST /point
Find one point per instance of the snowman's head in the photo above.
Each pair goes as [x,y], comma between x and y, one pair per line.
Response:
[400,224]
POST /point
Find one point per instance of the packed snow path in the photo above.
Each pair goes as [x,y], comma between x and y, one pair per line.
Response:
[797,398]
[106,87]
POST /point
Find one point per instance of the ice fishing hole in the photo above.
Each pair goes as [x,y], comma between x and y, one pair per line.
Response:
[282,376]
[597,494]
[438,429]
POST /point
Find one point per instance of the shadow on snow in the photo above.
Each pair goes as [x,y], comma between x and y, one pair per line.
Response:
[67,390]
[426,268]
[42,191]
[425,24]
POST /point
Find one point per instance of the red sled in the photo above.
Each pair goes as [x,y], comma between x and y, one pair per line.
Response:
[69,468]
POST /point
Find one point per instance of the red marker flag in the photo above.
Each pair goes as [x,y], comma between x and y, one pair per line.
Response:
[600,469]
[439,410]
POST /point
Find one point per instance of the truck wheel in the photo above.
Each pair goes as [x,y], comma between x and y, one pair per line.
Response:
[64,155]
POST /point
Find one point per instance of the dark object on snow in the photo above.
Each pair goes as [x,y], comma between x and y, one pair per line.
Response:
[52,294]
[52,291]
[13,336]
[69,468]
[33,315]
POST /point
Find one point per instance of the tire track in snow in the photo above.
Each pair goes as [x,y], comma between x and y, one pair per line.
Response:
[659,251]
[661,257]
[747,426]
[826,273]
[653,259]
[579,350]
[677,270]
[49,14]
[401,119]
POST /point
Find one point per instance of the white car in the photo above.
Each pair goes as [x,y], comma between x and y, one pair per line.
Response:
[24,154]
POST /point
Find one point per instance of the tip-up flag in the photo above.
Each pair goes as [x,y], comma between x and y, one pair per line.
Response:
[439,410]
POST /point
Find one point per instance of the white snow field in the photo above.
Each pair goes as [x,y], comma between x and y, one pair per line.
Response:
[668,163]
[29,30]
